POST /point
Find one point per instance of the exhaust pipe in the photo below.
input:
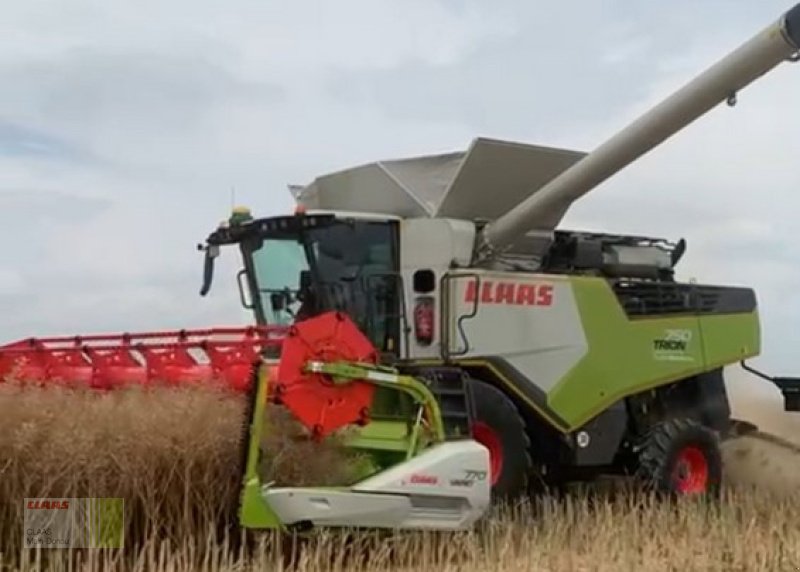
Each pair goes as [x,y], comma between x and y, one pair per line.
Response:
[777,43]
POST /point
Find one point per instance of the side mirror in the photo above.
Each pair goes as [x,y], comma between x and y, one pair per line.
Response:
[211,252]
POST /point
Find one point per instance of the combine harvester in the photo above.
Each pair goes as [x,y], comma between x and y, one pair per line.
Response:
[432,306]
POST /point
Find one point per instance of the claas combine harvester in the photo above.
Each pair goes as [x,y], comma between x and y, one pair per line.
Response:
[476,350]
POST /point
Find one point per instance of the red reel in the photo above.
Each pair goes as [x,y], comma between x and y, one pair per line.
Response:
[313,398]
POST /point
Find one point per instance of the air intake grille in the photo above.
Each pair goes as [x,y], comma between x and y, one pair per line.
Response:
[648,298]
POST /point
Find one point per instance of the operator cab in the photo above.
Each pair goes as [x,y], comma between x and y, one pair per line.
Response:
[299,266]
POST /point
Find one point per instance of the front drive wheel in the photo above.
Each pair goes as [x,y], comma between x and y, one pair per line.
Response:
[681,458]
[499,427]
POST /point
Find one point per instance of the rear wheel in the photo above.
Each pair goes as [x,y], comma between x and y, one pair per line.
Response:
[680,457]
[499,427]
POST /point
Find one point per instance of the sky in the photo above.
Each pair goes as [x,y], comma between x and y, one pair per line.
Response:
[126,128]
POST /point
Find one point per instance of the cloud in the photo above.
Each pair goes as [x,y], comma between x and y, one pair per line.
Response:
[11,283]
[16,141]
[524,83]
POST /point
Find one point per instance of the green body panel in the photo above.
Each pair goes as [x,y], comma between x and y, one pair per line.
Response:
[623,359]
[254,512]
[382,435]
[732,335]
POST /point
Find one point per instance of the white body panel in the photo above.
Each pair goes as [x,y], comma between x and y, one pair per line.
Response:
[530,320]
[445,488]
[435,243]
[431,244]
[541,340]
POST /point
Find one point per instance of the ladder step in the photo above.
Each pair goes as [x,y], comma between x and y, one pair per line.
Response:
[448,385]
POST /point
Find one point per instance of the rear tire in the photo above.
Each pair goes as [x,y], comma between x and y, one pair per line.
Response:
[680,457]
[500,428]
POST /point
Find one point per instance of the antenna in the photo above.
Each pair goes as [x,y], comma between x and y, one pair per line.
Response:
[233,197]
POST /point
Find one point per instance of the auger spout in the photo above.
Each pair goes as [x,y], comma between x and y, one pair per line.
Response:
[776,43]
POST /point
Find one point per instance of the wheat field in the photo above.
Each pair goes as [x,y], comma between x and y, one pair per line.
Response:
[174,454]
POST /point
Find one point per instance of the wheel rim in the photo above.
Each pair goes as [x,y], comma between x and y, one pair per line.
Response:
[489,438]
[691,471]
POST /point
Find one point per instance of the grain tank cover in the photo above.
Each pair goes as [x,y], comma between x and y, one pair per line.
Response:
[483,182]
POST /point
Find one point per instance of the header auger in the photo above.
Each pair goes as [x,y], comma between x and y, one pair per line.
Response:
[475,351]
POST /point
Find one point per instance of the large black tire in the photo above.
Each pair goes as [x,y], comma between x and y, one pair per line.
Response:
[499,426]
[680,457]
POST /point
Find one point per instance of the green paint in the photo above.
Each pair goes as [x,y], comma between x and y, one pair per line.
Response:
[106,522]
[389,378]
[254,512]
[731,337]
[624,356]
[381,435]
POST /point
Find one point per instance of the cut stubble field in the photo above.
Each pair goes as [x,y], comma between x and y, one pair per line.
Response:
[174,455]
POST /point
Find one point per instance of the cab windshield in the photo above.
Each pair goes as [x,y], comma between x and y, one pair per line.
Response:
[349,266]
[278,266]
